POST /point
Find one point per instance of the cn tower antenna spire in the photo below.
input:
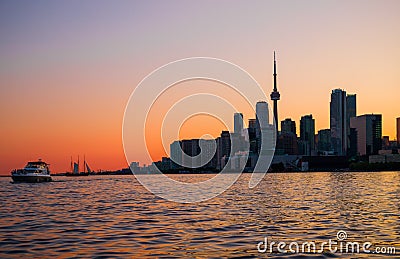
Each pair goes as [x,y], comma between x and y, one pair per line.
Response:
[275,86]
[275,97]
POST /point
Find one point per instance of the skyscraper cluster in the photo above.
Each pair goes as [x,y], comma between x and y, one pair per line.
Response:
[247,145]
[349,136]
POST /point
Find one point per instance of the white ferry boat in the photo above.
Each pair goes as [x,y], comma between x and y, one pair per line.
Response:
[33,172]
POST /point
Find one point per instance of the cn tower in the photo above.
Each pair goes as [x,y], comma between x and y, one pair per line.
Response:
[275,97]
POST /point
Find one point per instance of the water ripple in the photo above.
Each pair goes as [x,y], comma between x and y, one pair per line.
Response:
[114,216]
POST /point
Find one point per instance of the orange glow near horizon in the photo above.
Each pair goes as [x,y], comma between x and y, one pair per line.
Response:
[198,126]
[174,116]
[55,135]
[39,133]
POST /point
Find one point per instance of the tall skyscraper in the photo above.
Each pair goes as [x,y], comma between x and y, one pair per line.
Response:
[262,114]
[288,126]
[324,140]
[398,131]
[351,103]
[208,153]
[263,126]
[191,148]
[338,121]
[342,108]
[287,144]
[252,123]
[275,97]
[176,153]
[223,148]
[307,134]
[252,134]
[369,133]
[351,112]
[287,140]
[352,150]
[238,123]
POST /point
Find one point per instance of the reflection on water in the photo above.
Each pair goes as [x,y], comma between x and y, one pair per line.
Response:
[115,216]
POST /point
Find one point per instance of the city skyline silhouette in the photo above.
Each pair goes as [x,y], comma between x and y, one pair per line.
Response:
[81,65]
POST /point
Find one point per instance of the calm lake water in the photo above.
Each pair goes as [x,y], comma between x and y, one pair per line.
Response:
[114,216]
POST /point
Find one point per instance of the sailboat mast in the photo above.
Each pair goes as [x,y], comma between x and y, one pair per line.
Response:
[84,164]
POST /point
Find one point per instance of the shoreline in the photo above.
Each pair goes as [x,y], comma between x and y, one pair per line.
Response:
[193,173]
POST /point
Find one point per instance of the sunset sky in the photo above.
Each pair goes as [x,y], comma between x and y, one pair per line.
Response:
[67,68]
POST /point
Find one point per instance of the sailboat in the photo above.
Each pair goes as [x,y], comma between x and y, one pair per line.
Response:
[75,169]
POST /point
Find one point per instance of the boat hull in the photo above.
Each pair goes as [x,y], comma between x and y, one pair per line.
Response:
[31,178]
